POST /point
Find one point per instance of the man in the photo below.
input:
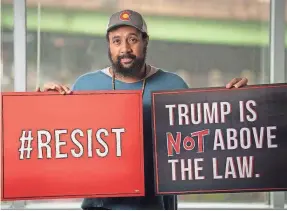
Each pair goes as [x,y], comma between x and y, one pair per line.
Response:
[128,39]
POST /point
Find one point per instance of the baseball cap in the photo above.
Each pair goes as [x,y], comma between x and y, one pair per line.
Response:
[127,18]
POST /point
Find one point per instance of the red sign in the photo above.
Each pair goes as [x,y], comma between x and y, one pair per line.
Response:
[87,144]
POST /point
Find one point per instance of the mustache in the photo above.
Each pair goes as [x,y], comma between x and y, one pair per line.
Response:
[126,56]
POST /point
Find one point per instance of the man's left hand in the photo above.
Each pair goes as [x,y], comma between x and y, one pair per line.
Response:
[237,83]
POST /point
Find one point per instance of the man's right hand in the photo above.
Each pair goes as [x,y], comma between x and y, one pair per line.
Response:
[54,87]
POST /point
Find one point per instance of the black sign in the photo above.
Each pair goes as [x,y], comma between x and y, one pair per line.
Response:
[220,140]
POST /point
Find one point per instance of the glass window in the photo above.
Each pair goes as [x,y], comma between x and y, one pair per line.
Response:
[6,57]
[6,68]
[206,42]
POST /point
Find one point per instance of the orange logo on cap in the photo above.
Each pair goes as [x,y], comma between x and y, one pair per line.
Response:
[125,16]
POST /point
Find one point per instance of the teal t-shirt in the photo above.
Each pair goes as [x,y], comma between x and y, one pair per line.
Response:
[157,79]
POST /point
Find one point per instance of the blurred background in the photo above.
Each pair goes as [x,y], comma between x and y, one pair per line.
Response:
[207,42]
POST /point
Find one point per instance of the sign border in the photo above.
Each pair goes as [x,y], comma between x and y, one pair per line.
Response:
[45,94]
[197,90]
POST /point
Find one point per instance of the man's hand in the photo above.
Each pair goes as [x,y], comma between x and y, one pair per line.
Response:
[55,88]
[237,83]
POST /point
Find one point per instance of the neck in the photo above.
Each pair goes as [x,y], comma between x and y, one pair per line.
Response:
[130,79]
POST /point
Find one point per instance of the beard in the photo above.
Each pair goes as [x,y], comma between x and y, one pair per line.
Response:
[134,69]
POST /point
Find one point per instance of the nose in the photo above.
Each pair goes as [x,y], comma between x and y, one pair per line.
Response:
[125,48]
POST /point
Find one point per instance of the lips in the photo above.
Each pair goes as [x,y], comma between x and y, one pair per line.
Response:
[126,60]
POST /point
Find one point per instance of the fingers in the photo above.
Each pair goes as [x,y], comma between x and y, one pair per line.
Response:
[237,83]
[241,83]
[56,88]
[66,89]
[52,87]
[231,83]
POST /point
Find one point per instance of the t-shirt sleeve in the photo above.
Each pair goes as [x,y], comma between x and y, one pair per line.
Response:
[89,81]
[178,82]
[75,86]
[79,84]
[184,84]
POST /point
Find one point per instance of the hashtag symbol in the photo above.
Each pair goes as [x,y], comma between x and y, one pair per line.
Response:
[25,146]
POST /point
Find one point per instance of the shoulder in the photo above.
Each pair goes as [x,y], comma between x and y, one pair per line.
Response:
[170,75]
[87,79]
[172,80]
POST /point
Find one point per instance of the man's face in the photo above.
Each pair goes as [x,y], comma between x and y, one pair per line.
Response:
[127,50]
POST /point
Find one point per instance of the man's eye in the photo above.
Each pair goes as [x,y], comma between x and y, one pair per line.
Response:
[116,41]
[133,40]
